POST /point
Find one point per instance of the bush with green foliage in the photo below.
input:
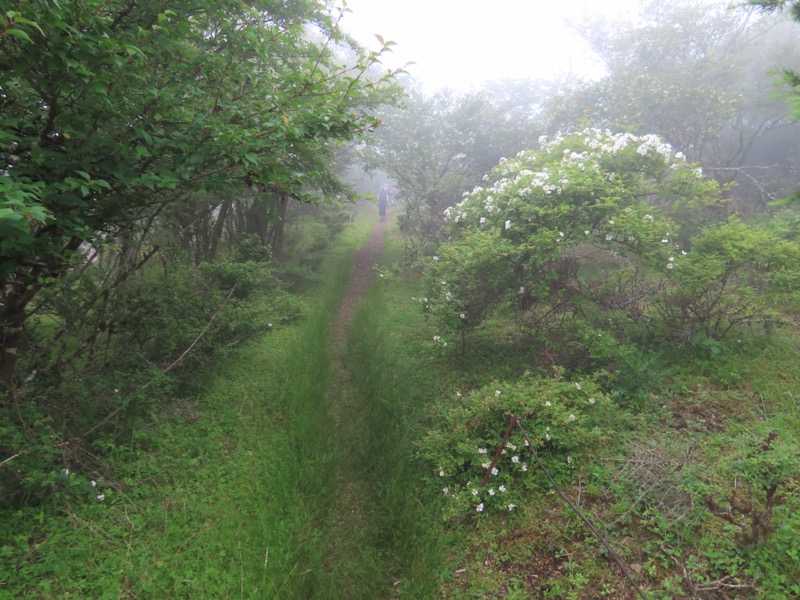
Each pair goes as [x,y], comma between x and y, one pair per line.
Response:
[550,223]
[565,419]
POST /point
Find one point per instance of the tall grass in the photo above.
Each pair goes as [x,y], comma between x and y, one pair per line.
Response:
[225,496]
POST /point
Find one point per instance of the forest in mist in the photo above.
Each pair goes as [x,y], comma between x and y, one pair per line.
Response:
[611,261]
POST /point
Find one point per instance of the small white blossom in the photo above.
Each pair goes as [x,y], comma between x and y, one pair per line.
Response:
[515,459]
[591,400]
[483,220]
[445,490]
[495,471]
[441,472]
[491,492]
[486,465]
[65,472]
[480,507]
[101,497]
[497,392]
[508,224]
[94,483]
[586,232]
[482,450]
[512,506]
[670,265]
[548,403]
[569,460]
[524,467]
[572,417]
[577,385]
[436,338]
[502,488]
[474,492]
[463,315]
[609,237]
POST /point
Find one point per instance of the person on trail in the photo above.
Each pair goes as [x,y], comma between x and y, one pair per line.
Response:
[383,201]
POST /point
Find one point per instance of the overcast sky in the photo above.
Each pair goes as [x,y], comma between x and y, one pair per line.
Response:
[459,43]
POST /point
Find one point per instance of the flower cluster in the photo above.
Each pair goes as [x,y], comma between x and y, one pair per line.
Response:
[563,419]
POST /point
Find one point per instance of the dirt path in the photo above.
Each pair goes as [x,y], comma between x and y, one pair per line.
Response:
[355,525]
[360,279]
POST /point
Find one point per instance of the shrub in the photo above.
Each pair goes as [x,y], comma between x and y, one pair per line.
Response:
[563,418]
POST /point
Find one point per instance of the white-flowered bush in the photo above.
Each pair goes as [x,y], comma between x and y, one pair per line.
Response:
[511,238]
[564,419]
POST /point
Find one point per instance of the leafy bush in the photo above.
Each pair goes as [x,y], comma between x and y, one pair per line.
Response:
[563,418]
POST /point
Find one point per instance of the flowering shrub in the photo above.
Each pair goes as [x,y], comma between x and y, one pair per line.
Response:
[563,419]
[510,240]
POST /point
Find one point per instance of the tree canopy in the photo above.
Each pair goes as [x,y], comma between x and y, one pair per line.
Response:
[112,111]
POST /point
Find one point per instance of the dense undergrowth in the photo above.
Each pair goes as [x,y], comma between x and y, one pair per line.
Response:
[286,479]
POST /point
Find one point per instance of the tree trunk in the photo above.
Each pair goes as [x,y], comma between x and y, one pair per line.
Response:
[281,202]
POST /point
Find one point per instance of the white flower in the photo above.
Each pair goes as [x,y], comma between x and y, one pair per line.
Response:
[480,507]
[474,492]
[116,391]
[508,224]
[269,324]
[511,446]
[512,506]
[445,490]
[524,467]
[649,217]
[441,472]
[569,460]
[436,338]
[94,483]
[483,220]
[591,400]
[611,222]
[497,392]
[665,241]
[444,344]
[671,259]
[572,417]
[491,492]
[486,465]
[436,258]
[577,385]
[495,471]
[463,315]
[561,234]
[482,451]
[65,472]
[586,232]
[101,497]
[670,265]
[521,290]
[548,403]
[547,437]
[502,488]
[609,237]
[515,459]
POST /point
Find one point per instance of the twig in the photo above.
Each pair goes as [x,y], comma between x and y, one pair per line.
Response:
[10,458]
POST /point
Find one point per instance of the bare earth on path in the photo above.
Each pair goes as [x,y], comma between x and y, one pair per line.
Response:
[360,279]
[355,526]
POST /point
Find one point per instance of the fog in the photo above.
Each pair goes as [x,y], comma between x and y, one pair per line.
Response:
[460,43]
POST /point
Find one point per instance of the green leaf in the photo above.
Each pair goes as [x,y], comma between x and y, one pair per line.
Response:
[18,33]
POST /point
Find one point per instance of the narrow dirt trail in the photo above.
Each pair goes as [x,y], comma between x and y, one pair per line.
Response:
[355,522]
[360,279]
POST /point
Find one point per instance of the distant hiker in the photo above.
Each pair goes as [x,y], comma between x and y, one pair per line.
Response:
[383,201]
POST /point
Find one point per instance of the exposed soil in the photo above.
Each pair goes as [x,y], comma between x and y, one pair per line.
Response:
[355,525]
[360,279]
